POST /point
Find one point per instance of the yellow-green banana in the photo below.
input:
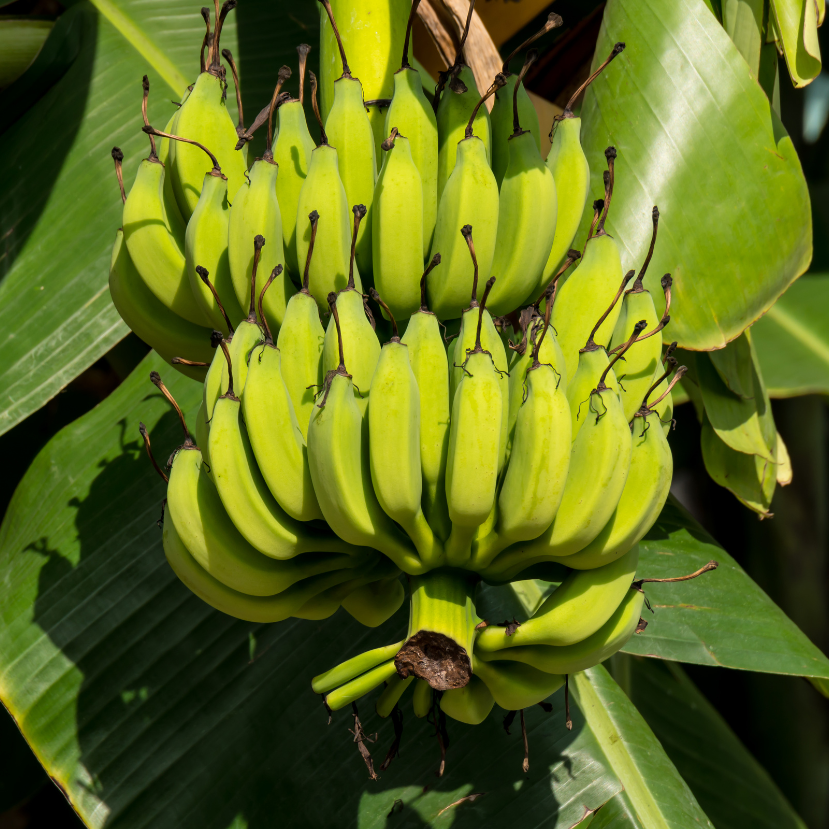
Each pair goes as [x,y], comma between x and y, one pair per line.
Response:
[515,686]
[582,604]
[412,115]
[470,197]
[526,215]
[375,603]
[327,681]
[397,228]
[338,458]
[396,686]
[323,188]
[470,704]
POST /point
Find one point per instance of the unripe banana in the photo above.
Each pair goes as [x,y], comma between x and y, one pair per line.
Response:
[373,35]
[502,113]
[474,447]
[359,687]
[422,698]
[570,659]
[526,216]
[646,490]
[470,197]
[323,188]
[394,443]
[458,107]
[359,342]
[587,292]
[348,128]
[340,470]
[256,212]
[599,462]
[515,686]
[327,681]
[396,686]
[582,604]
[534,483]
[203,117]
[568,164]
[470,704]
[427,356]
[397,228]
[170,335]
[261,609]
[375,603]
[412,115]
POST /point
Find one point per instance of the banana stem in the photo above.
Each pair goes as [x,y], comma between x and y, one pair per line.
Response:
[671,363]
[229,393]
[144,434]
[145,85]
[676,378]
[590,345]
[638,287]
[314,217]
[359,211]
[330,12]
[637,330]
[432,265]
[617,50]
[240,125]
[441,629]
[553,22]
[460,59]
[205,13]
[316,107]
[118,158]
[155,377]
[204,275]
[404,64]
[274,273]
[258,244]
[532,55]
[609,178]
[303,49]
[282,76]
[395,337]
[500,80]
[466,232]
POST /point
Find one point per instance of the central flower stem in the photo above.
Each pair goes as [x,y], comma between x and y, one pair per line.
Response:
[441,629]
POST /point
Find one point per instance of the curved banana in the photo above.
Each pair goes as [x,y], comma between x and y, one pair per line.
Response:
[352,691]
[470,197]
[170,335]
[323,188]
[515,686]
[427,356]
[582,604]
[411,114]
[470,704]
[327,681]
[397,228]
[422,698]
[570,659]
[568,164]
[396,686]
[375,603]
[340,471]
[261,609]
[526,215]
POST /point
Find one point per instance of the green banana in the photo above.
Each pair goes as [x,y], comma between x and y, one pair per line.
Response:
[588,290]
[397,227]
[274,432]
[474,446]
[348,127]
[515,686]
[526,215]
[154,249]
[375,603]
[323,187]
[261,609]
[568,164]
[327,681]
[203,118]
[396,686]
[570,659]
[246,497]
[170,335]
[470,197]
[292,151]
[422,698]
[255,212]
[490,340]
[352,691]
[599,462]
[359,342]
[373,35]
[582,604]
[513,96]
[534,483]
[300,343]
[394,443]
[646,490]
[458,109]
[470,704]
[427,356]
[663,399]
[340,469]
[412,115]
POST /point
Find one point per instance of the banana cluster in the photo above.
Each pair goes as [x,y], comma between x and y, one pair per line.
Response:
[327,462]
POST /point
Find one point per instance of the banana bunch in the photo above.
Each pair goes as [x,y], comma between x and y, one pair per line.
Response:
[343,439]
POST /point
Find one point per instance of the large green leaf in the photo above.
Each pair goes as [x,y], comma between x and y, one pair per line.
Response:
[697,137]
[151,709]
[721,618]
[795,24]
[656,796]
[792,340]
[60,205]
[731,786]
